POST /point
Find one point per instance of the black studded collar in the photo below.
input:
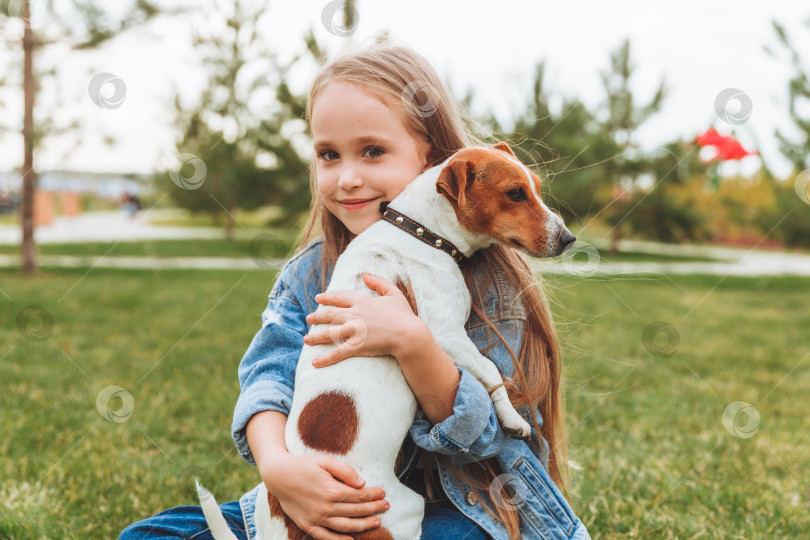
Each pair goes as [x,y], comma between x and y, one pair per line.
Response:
[418,231]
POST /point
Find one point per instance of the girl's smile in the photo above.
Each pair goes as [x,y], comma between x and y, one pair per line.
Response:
[352,205]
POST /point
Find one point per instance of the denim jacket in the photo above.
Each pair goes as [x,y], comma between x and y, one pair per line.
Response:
[470,433]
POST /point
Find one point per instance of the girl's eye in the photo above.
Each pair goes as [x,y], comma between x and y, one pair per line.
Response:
[517,194]
[374,151]
[328,155]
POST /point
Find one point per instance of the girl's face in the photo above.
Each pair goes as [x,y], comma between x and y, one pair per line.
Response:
[364,153]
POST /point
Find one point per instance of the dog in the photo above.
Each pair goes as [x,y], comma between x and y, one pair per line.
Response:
[359,410]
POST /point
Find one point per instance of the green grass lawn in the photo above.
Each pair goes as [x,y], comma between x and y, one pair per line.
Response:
[645,415]
[269,244]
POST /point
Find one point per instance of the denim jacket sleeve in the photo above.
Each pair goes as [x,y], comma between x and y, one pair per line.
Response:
[267,370]
[472,432]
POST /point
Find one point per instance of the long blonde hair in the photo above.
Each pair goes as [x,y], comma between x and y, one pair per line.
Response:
[398,76]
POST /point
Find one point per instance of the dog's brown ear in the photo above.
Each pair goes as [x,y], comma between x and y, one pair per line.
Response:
[454,179]
[503,147]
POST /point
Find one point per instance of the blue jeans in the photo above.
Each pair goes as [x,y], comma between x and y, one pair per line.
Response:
[442,522]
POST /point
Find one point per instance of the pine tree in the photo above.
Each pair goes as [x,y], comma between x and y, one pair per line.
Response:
[94,30]
[797,151]
[236,139]
[621,118]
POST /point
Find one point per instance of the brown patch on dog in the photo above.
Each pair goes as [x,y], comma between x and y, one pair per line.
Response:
[380,533]
[407,289]
[293,531]
[329,423]
[275,506]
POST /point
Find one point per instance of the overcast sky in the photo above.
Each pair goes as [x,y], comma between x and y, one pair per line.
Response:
[700,47]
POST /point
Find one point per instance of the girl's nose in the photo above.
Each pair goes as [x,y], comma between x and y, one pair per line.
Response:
[349,178]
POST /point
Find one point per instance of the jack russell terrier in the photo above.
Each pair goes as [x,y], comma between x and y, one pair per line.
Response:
[359,410]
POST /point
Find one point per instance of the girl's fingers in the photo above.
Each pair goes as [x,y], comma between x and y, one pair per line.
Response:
[348,345]
[328,360]
[328,316]
[322,316]
[340,299]
[342,471]
[351,496]
[354,489]
[334,335]
[360,509]
[351,525]
[320,533]
[379,284]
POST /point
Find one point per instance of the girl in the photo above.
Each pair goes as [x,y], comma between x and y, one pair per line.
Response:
[378,119]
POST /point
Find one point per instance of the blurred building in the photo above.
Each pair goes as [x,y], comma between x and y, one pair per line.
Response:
[63,189]
[107,185]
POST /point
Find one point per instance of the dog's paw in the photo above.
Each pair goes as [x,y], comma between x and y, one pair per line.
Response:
[518,429]
[512,423]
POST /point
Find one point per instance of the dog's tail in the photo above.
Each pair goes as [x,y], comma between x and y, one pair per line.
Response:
[213,515]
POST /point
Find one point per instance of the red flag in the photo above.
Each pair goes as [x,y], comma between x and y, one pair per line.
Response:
[727,147]
[732,149]
[710,138]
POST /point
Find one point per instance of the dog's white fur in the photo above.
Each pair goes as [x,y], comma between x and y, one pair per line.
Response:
[385,403]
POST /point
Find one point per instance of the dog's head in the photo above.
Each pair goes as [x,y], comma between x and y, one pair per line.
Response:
[494,194]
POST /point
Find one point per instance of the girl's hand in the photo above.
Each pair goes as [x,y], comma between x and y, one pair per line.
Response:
[364,325]
[320,493]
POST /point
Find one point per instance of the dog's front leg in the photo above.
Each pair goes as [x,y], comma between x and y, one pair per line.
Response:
[464,353]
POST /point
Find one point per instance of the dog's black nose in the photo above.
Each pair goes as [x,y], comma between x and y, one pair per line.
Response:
[567,239]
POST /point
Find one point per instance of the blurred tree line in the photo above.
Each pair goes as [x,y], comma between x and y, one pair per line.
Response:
[243,143]
[598,174]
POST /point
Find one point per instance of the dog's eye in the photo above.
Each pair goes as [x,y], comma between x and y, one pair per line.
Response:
[517,194]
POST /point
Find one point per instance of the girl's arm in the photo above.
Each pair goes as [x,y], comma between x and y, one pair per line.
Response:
[473,432]
[430,372]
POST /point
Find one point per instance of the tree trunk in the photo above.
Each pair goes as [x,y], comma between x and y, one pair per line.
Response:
[29,264]
[229,223]
[615,237]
